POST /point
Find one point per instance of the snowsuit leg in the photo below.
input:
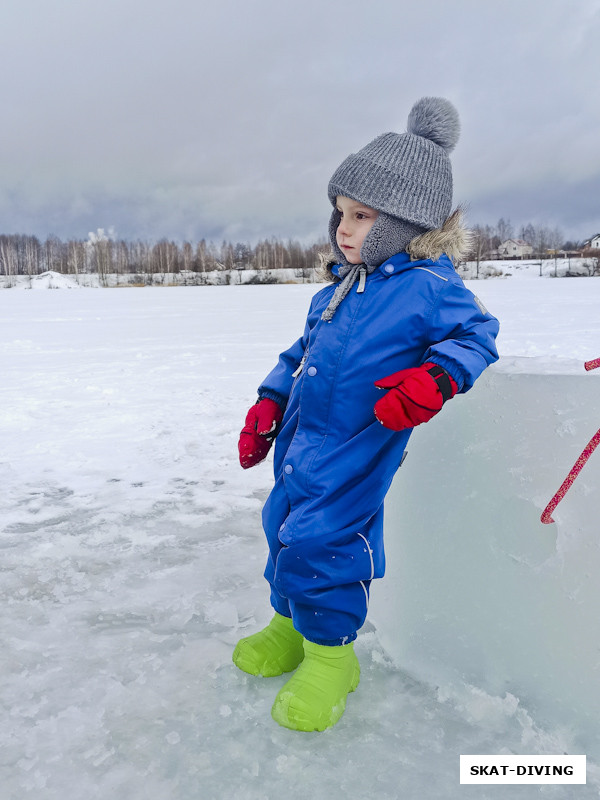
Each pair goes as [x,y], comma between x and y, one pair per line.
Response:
[322,580]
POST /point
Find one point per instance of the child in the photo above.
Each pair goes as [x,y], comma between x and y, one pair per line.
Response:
[398,319]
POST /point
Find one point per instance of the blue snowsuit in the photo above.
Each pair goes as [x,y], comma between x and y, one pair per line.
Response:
[333,461]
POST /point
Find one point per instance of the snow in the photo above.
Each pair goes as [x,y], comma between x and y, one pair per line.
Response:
[531,268]
[46,280]
[133,557]
[87,280]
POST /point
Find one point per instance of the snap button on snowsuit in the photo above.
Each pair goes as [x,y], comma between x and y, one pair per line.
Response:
[288,469]
[312,371]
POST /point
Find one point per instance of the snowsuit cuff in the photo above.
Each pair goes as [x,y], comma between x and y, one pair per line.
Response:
[342,640]
[275,396]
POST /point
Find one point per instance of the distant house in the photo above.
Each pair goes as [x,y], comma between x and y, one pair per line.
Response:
[514,248]
[594,242]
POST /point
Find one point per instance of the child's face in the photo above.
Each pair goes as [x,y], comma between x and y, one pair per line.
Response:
[357,220]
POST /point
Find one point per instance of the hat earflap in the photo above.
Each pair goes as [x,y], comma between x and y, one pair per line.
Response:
[388,236]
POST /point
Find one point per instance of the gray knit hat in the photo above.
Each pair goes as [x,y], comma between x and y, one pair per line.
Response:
[407,177]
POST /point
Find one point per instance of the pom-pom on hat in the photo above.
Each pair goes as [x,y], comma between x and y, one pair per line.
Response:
[436,119]
[406,175]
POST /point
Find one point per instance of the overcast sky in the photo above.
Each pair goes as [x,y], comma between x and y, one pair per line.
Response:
[223,119]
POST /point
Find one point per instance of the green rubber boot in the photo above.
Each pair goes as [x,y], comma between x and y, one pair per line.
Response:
[272,651]
[315,697]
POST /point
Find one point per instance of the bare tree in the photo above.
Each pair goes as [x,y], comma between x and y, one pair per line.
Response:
[99,248]
[555,240]
[226,256]
[139,256]
[528,234]
[188,256]
[121,257]
[75,257]
[481,243]
[201,255]
[165,256]
[55,254]
[31,255]
[504,229]
[542,238]
[8,258]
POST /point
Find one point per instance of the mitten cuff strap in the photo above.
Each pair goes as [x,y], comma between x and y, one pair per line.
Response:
[443,380]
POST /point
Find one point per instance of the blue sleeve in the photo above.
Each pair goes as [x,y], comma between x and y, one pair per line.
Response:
[278,383]
[463,334]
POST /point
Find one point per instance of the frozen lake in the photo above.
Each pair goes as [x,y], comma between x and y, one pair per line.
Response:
[132,559]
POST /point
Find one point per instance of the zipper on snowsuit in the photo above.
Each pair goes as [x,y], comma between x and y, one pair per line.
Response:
[300,367]
[362,280]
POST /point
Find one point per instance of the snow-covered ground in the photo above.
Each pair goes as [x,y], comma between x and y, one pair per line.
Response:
[132,560]
[531,268]
[548,268]
[87,280]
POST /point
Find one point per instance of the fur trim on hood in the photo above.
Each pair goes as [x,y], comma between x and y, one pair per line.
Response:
[452,238]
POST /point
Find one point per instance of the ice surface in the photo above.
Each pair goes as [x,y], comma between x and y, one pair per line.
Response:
[132,561]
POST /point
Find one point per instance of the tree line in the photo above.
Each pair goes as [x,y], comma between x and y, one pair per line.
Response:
[104,254]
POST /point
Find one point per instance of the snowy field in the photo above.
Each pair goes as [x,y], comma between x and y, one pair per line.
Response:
[132,560]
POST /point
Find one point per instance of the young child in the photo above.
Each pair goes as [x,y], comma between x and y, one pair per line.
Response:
[384,347]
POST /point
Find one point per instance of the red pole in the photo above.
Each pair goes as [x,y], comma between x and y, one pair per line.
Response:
[577,467]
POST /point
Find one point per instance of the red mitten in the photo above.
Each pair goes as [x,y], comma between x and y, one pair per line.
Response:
[415,396]
[256,438]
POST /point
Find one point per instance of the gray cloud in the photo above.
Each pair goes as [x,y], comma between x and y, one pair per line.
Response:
[226,120]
